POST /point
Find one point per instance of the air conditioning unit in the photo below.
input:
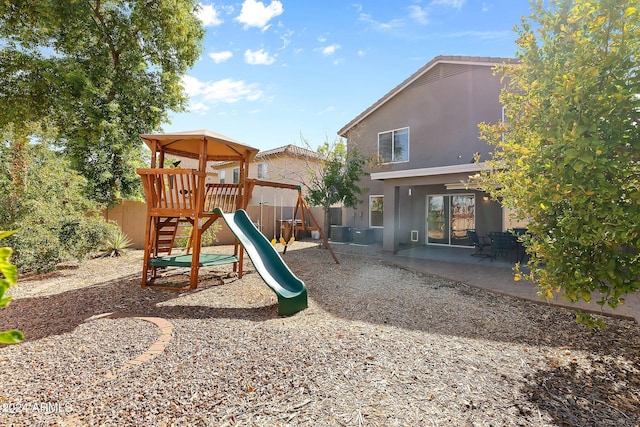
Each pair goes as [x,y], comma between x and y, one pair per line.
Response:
[363,236]
[340,233]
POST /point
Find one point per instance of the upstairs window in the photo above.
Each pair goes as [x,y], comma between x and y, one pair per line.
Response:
[262,170]
[393,146]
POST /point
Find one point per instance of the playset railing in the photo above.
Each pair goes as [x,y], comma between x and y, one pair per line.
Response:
[183,192]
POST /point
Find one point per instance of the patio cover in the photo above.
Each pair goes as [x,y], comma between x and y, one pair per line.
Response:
[190,144]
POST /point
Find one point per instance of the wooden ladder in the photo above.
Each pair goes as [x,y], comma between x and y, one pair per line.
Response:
[167,230]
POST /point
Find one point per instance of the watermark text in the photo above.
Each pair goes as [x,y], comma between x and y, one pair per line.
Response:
[35,407]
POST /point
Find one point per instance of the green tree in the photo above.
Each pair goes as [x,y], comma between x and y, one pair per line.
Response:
[567,155]
[100,72]
[336,182]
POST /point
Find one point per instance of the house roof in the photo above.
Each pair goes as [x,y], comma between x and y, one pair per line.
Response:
[291,149]
[288,149]
[465,60]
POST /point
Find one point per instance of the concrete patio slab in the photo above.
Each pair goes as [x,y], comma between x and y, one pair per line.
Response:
[493,275]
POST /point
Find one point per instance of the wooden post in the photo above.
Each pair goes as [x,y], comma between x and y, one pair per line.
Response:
[147,249]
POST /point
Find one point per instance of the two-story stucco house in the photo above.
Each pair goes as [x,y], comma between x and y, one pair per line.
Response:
[288,164]
[422,137]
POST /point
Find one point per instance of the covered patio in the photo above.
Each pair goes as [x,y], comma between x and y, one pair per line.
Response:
[436,253]
[456,254]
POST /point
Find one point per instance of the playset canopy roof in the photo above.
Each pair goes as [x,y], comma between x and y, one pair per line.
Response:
[190,144]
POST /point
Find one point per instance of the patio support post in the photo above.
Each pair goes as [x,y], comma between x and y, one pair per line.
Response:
[396,216]
[391,220]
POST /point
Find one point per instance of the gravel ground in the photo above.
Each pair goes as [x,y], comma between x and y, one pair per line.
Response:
[378,346]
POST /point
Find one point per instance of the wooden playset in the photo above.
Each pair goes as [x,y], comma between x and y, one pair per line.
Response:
[176,196]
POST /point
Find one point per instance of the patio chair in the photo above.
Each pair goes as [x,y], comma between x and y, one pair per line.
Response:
[521,252]
[479,242]
[501,243]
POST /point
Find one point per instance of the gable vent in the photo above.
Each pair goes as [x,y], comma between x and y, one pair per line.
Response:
[432,76]
[449,70]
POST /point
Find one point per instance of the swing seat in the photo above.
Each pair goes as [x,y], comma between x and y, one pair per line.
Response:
[287,243]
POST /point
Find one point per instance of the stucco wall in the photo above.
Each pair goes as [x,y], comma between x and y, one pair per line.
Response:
[442,115]
[442,110]
[130,216]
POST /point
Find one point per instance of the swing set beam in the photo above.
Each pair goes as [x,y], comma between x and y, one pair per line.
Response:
[301,206]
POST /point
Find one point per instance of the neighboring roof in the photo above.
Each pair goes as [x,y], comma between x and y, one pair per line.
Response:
[187,144]
[289,149]
[466,60]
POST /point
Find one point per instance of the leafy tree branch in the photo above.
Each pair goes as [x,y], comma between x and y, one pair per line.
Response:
[567,155]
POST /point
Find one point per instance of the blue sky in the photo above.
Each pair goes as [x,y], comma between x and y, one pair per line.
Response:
[273,72]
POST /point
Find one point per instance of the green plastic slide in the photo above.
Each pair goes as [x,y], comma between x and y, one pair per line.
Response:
[291,291]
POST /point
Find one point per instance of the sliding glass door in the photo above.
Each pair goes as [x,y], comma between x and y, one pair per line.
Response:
[437,220]
[449,217]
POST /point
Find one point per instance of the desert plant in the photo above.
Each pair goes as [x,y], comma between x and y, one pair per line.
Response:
[9,277]
[116,244]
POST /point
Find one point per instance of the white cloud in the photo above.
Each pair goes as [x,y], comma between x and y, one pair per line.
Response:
[192,86]
[419,14]
[286,38]
[219,57]
[381,26]
[256,14]
[208,15]
[456,4]
[322,39]
[258,57]
[329,109]
[361,53]
[226,90]
[330,50]
[198,107]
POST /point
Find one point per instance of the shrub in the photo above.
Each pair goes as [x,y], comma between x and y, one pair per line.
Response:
[54,220]
[209,237]
[8,278]
[37,248]
[80,237]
